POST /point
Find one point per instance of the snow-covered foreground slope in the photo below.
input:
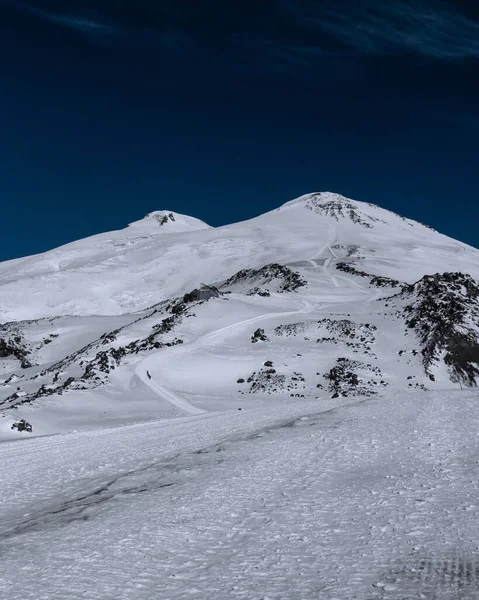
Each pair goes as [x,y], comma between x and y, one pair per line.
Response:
[362,499]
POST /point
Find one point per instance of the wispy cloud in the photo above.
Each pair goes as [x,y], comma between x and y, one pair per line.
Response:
[78,22]
[297,32]
[430,28]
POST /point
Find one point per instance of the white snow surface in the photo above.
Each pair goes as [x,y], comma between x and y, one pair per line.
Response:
[364,499]
[215,464]
[123,271]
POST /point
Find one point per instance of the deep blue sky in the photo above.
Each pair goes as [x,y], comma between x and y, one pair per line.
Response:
[224,110]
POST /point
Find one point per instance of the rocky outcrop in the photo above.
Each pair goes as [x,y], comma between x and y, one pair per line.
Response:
[15,347]
[377,280]
[22,425]
[353,378]
[338,207]
[269,381]
[357,336]
[204,293]
[259,336]
[270,278]
[163,219]
[443,311]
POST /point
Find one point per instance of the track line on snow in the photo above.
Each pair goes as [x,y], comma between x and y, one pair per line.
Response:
[162,391]
[143,368]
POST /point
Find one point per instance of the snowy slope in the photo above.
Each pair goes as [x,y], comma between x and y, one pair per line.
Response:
[132,269]
[281,409]
[358,500]
[323,297]
[109,273]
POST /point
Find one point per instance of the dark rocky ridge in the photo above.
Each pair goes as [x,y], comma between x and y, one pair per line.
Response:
[340,208]
[377,280]
[282,278]
[443,310]
[16,347]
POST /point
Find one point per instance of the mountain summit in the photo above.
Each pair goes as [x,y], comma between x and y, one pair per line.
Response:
[166,221]
[323,297]
[114,273]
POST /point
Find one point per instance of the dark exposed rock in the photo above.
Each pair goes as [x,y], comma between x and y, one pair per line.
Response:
[376,280]
[294,329]
[339,207]
[206,292]
[15,347]
[259,336]
[344,379]
[163,219]
[443,310]
[267,380]
[253,281]
[357,336]
[349,249]
[22,425]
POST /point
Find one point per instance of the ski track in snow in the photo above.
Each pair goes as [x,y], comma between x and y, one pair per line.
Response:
[375,499]
[148,363]
[142,370]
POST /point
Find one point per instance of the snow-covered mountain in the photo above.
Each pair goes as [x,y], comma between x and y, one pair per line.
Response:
[348,337]
[323,297]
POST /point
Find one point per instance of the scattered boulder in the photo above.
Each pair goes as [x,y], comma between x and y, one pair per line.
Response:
[22,425]
[259,336]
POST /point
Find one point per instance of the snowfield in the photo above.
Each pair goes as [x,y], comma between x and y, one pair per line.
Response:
[284,408]
[370,498]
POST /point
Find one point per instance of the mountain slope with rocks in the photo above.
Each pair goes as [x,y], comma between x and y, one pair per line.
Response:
[282,408]
[322,297]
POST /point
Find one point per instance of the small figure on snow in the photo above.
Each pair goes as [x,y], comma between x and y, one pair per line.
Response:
[148,374]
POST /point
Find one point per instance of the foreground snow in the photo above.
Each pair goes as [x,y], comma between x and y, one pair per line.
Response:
[371,498]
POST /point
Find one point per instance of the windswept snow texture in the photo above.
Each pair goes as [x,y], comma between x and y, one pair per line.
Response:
[283,408]
[371,499]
